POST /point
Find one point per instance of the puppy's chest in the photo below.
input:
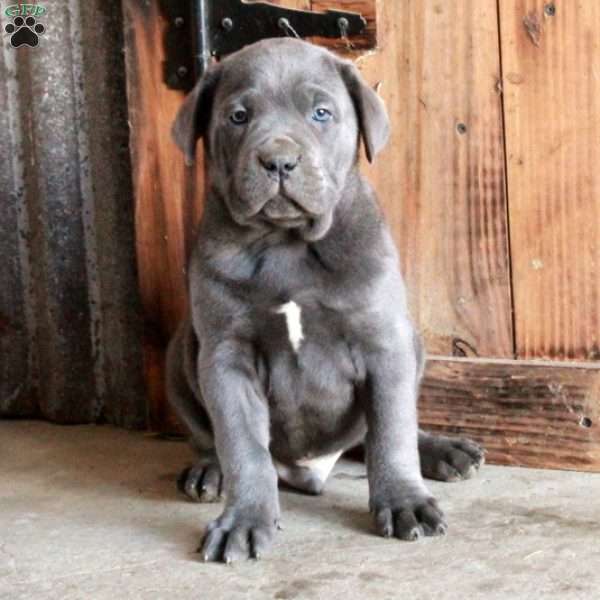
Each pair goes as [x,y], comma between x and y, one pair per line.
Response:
[310,367]
[303,316]
[309,338]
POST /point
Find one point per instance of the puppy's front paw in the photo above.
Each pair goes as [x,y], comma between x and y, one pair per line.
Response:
[408,516]
[238,534]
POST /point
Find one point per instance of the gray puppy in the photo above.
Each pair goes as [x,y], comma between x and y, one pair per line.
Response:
[299,345]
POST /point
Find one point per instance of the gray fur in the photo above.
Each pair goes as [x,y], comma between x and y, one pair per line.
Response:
[287,218]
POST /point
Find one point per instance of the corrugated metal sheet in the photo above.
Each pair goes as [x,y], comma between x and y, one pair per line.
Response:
[70,322]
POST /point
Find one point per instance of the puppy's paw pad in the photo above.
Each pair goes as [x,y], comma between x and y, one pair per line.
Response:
[410,520]
[230,540]
[201,483]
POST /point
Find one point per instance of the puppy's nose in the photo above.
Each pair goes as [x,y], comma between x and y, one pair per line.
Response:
[282,165]
[279,156]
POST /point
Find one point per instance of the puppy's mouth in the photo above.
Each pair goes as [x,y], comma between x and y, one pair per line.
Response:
[286,223]
[283,211]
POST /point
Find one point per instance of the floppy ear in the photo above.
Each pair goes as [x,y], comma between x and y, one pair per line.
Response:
[373,120]
[193,117]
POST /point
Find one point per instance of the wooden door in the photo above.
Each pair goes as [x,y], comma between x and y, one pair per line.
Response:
[489,186]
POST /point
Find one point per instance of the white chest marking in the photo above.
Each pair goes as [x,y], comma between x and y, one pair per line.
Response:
[293,320]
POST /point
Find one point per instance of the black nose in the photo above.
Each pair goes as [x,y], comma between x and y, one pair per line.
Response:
[282,165]
[279,156]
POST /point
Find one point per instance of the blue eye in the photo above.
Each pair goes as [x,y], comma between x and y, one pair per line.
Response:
[321,114]
[239,116]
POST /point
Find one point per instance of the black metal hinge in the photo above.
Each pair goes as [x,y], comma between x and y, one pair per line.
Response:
[199,31]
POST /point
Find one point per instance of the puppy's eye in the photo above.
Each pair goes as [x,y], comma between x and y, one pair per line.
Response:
[239,116]
[321,114]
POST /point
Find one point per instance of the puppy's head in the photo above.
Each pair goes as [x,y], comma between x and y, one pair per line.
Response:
[281,121]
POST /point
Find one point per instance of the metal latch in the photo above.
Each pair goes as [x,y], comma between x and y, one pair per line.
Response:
[200,30]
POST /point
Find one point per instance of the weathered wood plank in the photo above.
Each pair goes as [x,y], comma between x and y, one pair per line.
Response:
[168,199]
[526,413]
[442,185]
[551,81]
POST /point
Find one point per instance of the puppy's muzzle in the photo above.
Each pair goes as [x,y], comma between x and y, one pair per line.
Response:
[279,157]
[282,183]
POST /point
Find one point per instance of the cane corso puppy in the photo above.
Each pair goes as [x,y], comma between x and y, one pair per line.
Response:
[299,344]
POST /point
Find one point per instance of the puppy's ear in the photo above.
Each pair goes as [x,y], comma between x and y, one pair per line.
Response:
[372,116]
[193,117]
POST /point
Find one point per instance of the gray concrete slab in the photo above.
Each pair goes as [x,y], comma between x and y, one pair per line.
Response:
[92,512]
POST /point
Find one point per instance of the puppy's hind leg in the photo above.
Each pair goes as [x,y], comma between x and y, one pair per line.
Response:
[203,481]
[449,459]
[445,458]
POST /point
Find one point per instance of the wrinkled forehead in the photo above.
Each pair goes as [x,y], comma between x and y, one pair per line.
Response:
[278,67]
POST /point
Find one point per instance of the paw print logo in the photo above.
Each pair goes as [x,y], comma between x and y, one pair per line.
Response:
[24,32]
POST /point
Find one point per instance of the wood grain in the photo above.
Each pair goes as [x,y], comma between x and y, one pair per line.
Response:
[551,67]
[168,198]
[526,413]
[444,191]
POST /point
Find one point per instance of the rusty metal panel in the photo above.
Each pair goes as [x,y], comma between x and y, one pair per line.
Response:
[70,321]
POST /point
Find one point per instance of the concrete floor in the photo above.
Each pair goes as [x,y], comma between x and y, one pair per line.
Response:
[92,512]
